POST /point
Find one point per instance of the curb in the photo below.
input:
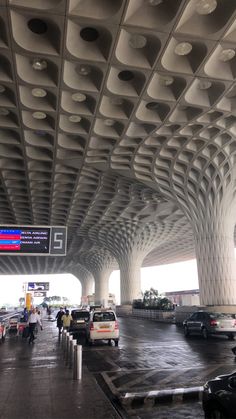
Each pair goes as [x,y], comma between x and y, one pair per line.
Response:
[154,398]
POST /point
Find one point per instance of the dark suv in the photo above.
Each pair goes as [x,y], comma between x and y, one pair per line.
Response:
[219,397]
[206,323]
[79,323]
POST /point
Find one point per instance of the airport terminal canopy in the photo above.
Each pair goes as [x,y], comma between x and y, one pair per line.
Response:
[117,120]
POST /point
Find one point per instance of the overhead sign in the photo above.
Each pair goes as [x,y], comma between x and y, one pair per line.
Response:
[40,293]
[31,240]
[38,286]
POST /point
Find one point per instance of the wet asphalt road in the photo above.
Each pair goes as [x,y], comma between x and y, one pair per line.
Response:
[154,356]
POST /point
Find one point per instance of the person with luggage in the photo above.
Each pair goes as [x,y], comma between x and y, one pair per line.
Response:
[59,319]
[34,318]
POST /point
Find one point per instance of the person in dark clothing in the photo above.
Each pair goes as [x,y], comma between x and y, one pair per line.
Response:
[59,320]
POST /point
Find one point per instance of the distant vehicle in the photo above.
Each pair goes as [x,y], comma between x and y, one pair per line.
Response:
[80,321]
[3,331]
[219,397]
[206,323]
[13,325]
[103,325]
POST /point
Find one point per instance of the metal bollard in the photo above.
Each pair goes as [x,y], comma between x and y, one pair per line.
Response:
[67,347]
[77,366]
[63,340]
[73,342]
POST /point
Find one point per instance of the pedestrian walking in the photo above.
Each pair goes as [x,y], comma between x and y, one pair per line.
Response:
[59,319]
[66,320]
[34,318]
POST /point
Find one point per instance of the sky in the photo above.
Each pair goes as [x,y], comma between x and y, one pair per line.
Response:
[172,277]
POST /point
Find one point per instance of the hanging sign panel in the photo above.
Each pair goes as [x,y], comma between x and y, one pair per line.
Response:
[33,240]
[38,286]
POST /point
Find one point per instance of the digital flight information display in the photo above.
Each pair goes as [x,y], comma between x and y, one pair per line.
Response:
[25,240]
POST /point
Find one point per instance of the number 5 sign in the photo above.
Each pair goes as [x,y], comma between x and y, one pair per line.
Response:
[58,241]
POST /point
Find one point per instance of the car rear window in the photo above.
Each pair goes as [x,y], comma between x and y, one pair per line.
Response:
[108,316]
[78,315]
[222,316]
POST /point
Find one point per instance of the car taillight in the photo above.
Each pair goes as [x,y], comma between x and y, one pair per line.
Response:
[116,325]
[91,326]
[21,327]
[213,323]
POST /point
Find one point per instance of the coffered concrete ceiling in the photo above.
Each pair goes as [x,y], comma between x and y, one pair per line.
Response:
[109,110]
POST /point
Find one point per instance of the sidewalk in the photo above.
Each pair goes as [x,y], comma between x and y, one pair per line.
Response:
[36,384]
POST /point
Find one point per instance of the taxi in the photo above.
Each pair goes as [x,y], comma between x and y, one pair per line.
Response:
[103,325]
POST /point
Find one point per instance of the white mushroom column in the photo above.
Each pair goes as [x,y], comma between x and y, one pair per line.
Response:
[101,264]
[214,242]
[87,281]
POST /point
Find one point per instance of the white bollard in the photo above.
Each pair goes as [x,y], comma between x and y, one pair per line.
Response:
[73,342]
[67,346]
[77,371]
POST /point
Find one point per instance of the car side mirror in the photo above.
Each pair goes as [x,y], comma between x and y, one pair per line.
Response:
[232,382]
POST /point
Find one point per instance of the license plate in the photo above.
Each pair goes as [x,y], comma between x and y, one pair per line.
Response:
[104,326]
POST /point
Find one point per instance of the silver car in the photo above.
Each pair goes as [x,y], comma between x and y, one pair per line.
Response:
[206,323]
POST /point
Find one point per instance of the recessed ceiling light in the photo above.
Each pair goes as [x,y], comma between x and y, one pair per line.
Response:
[154,2]
[74,118]
[166,80]
[204,84]
[37,26]
[78,97]
[153,106]
[39,115]
[117,101]
[205,7]
[2,89]
[39,64]
[183,48]
[137,41]
[89,34]
[4,112]
[37,92]
[227,55]
[109,122]
[126,75]
[83,70]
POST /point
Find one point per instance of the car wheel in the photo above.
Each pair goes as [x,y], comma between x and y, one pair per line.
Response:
[204,333]
[231,336]
[186,331]
[109,342]
[215,413]
[116,342]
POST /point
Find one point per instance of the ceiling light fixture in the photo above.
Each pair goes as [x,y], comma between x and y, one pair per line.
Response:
[74,118]
[204,84]
[137,41]
[39,64]
[152,106]
[84,70]
[166,80]
[37,92]
[78,97]
[154,2]
[205,7]
[109,122]
[4,112]
[39,115]
[117,101]
[227,55]
[37,26]
[183,48]
[126,75]
[89,34]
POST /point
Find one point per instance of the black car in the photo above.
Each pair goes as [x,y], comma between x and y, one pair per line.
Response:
[219,397]
[79,323]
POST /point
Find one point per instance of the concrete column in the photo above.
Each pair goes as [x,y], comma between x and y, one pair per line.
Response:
[87,282]
[102,285]
[130,277]
[216,261]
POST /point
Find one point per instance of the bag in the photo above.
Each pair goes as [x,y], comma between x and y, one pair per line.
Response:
[25,333]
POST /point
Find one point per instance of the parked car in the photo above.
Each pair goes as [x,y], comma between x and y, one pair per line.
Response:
[80,322]
[206,323]
[219,397]
[103,325]
[3,331]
